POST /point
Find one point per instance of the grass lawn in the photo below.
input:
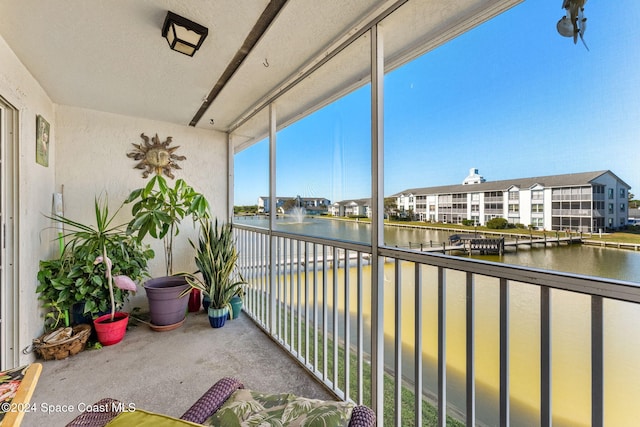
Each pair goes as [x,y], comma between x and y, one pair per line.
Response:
[429,412]
[617,237]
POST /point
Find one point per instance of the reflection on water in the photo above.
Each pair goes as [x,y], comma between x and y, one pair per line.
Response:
[579,259]
[571,368]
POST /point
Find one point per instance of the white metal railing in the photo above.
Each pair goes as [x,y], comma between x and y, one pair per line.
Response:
[571,212]
[318,310]
[309,305]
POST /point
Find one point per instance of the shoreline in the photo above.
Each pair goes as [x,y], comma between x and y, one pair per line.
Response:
[589,239]
[609,244]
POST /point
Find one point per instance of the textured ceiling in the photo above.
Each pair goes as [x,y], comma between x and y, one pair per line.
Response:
[109,55]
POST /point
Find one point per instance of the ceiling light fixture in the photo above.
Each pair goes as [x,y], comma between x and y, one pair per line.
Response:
[183,35]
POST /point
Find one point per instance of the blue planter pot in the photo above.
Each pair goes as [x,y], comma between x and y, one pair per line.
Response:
[236,307]
[77,314]
[217,316]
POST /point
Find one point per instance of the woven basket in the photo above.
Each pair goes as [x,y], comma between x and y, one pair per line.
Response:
[63,348]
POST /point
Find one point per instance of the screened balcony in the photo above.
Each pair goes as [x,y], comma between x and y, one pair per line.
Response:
[281,84]
[433,336]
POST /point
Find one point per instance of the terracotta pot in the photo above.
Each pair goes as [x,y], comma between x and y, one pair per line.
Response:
[109,332]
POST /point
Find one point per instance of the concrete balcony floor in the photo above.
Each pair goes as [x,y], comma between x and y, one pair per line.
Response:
[167,372]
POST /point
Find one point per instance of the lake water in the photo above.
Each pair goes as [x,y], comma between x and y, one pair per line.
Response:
[570,335]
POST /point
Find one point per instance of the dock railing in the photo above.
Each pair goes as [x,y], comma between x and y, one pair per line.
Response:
[313,296]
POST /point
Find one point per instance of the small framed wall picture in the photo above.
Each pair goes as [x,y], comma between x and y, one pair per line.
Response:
[42,141]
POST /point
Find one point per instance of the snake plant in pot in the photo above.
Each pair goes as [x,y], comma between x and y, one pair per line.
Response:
[158,210]
[218,276]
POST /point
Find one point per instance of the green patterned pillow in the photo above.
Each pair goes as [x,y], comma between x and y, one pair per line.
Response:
[250,408]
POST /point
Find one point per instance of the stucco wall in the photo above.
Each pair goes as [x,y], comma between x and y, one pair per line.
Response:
[87,157]
[92,161]
[34,184]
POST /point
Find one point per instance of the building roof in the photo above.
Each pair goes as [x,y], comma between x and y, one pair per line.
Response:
[293,198]
[550,181]
[359,202]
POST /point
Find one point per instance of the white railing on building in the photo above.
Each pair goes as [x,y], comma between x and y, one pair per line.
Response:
[315,309]
[571,212]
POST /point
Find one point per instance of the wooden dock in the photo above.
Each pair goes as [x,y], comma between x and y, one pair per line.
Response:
[617,245]
[484,245]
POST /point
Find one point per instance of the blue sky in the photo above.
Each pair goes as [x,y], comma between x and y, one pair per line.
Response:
[512,98]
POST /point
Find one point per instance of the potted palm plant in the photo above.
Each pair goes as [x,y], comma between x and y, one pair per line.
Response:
[216,260]
[158,210]
[94,259]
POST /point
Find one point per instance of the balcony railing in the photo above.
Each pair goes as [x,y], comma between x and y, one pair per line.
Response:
[313,296]
[572,212]
[573,197]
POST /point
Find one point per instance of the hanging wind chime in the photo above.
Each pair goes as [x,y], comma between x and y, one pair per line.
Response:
[574,23]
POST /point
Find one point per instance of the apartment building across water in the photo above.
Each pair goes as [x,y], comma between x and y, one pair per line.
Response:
[588,201]
[311,204]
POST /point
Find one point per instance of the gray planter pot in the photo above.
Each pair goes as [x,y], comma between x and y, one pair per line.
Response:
[166,307]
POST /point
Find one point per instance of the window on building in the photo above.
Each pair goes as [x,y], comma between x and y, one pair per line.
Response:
[537,222]
[610,192]
[622,193]
[610,208]
[622,207]
[576,193]
[537,208]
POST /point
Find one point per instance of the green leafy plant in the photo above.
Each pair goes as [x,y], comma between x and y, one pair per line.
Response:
[56,291]
[90,257]
[497,223]
[158,210]
[216,260]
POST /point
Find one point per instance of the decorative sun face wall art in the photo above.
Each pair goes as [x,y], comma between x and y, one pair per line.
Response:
[42,141]
[155,156]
